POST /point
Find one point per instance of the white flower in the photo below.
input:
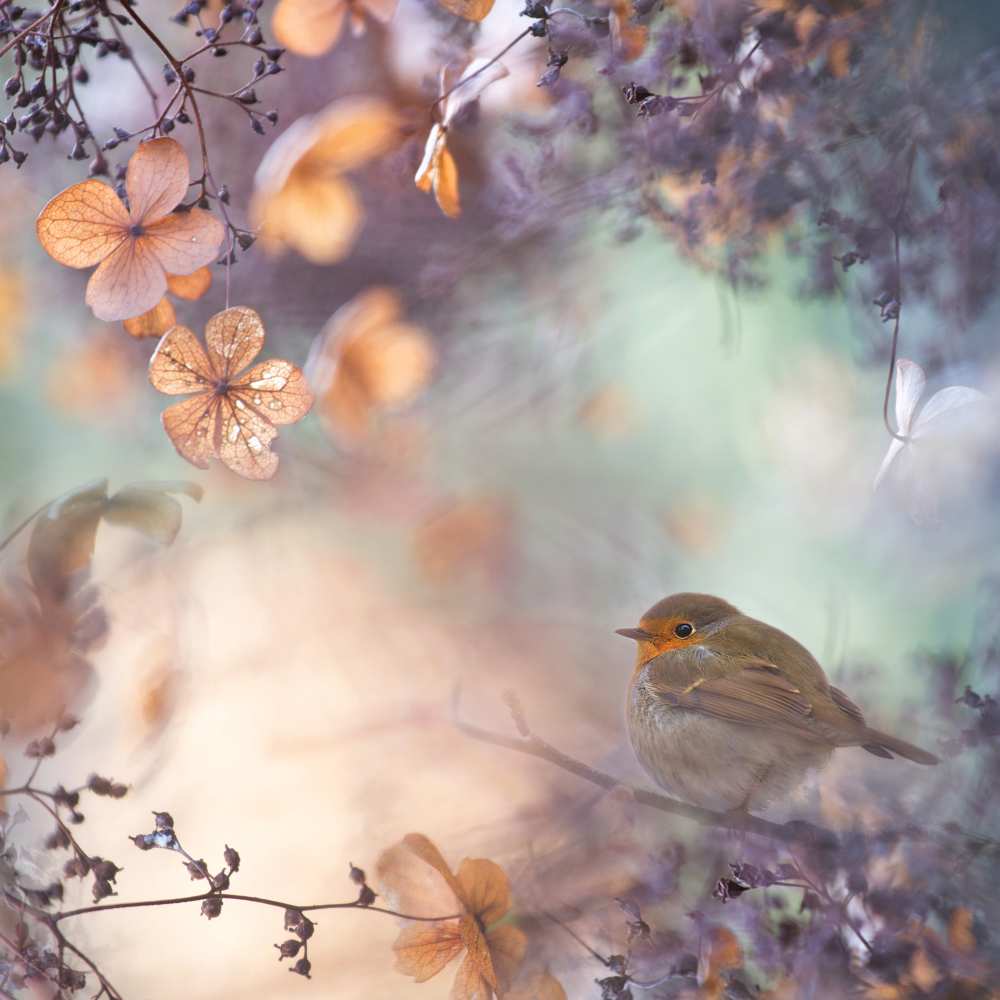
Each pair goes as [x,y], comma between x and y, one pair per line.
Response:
[940,439]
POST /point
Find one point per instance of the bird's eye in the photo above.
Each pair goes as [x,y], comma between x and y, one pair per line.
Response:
[683,630]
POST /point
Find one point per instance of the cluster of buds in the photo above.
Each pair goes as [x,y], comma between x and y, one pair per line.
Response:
[58,52]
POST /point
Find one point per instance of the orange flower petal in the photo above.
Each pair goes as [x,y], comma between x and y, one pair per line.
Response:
[351,132]
[485,889]
[154,323]
[320,218]
[185,241]
[471,10]
[157,179]
[446,183]
[244,444]
[82,225]
[193,427]
[424,177]
[128,283]
[470,983]
[507,945]
[423,950]
[234,338]
[276,389]
[477,956]
[179,364]
[308,27]
[190,286]
[425,849]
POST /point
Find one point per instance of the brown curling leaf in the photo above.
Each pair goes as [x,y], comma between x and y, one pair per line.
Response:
[312,27]
[471,10]
[233,412]
[134,248]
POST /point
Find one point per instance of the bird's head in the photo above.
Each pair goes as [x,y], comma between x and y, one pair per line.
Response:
[678,621]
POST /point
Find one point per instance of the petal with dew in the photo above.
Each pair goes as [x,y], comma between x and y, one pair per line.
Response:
[128,283]
[234,338]
[245,439]
[153,323]
[308,27]
[485,889]
[179,364]
[193,427]
[423,950]
[276,389]
[83,225]
[157,179]
[910,382]
[190,286]
[185,241]
[471,10]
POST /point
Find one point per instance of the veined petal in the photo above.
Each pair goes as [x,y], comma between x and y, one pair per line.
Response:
[179,364]
[185,241]
[128,283]
[245,439]
[153,323]
[276,389]
[193,427]
[423,950]
[234,338]
[157,179]
[83,225]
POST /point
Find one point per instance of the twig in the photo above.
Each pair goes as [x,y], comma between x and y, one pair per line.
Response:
[794,831]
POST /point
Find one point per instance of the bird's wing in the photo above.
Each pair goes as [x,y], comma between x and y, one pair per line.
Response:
[757,694]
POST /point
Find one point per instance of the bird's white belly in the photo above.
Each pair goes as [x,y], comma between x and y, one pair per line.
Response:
[712,763]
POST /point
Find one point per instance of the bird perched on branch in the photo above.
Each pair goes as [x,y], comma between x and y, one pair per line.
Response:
[730,713]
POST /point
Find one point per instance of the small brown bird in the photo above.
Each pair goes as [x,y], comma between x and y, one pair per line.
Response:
[729,713]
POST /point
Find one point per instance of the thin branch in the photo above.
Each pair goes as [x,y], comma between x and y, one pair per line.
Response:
[794,831]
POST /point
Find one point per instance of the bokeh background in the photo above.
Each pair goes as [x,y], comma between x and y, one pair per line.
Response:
[606,423]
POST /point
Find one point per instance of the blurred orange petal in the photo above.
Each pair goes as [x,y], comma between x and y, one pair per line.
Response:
[471,10]
[484,888]
[190,286]
[308,27]
[154,323]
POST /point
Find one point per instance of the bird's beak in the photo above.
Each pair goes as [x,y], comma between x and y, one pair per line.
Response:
[639,634]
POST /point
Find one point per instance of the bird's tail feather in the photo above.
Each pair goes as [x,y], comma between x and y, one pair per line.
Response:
[884,745]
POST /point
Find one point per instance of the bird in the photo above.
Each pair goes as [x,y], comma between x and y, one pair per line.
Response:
[731,714]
